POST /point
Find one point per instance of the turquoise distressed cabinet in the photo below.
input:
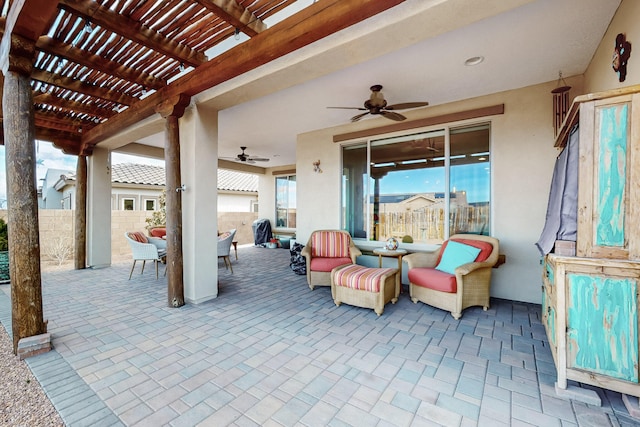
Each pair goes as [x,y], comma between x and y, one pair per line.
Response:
[590,300]
[591,318]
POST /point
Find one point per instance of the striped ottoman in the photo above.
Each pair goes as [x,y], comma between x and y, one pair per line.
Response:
[364,287]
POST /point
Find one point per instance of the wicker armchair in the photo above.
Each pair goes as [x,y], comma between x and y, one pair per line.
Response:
[469,286]
[145,249]
[325,250]
[224,247]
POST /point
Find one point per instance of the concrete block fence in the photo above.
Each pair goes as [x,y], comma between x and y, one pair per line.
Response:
[57,230]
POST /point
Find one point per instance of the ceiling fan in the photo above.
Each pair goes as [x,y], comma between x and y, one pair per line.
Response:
[246,158]
[376,104]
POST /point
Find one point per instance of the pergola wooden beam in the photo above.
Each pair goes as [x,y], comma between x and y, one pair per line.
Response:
[75,106]
[95,62]
[134,31]
[236,15]
[49,120]
[317,21]
[81,87]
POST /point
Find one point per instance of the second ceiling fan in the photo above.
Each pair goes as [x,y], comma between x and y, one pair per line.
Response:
[376,104]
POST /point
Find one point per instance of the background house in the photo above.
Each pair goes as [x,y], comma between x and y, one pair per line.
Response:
[137,187]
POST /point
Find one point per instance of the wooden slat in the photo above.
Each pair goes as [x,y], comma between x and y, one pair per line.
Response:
[78,107]
[89,60]
[236,15]
[81,87]
[51,121]
[133,30]
[305,27]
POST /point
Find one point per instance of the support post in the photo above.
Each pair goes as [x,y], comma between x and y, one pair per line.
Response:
[80,218]
[22,200]
[171,110]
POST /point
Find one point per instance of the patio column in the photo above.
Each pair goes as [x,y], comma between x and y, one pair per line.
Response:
[80,219]
[171,110]
[99,208]
[22,199]
[199,161]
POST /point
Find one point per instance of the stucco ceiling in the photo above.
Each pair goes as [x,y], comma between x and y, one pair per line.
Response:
[416,51]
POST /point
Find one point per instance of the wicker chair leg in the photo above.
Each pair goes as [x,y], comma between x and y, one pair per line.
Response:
[456,316]
[229,260]
[143,263]
[132,267]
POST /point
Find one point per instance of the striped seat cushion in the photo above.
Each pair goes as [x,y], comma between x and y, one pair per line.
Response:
[361,278]
[330,244]
[138,237]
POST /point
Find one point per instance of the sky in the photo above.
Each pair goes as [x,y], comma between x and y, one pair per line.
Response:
[49,157]
[472,178]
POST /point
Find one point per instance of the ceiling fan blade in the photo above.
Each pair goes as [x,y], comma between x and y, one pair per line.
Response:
[393,116]
[258,159]
[405,105]
[349,108]
[358,117]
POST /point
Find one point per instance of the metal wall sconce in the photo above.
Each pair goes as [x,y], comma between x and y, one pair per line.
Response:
[316,167]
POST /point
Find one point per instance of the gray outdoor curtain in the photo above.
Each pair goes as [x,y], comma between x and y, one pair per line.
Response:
[562,211]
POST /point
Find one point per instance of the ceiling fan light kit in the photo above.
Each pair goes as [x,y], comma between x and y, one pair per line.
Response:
[245,158]
[377,105]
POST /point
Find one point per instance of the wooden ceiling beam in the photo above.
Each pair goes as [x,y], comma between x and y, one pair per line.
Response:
[236,15]
[134,31]
[48,120]
[69,143]
[78,86]
[313,23]
[69,105]
[28,19]
[95,62]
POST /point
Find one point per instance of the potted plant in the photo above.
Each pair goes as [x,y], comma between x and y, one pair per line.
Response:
[158,218]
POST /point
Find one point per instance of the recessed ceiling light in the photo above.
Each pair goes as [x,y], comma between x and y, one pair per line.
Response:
[474,60]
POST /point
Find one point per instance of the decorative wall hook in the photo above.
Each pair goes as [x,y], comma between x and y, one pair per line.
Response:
[316,167]
[181,188]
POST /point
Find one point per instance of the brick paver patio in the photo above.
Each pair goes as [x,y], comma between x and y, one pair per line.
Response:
[269,351]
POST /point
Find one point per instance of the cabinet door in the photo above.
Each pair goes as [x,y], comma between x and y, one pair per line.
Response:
[604,208]
[602,325]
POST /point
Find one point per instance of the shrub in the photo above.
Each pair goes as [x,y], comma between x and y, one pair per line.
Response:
[4,242]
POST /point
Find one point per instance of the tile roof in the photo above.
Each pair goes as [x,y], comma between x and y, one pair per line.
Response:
[134,173]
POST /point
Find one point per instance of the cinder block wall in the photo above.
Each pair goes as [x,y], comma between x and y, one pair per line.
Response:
[241,221]
[56,228]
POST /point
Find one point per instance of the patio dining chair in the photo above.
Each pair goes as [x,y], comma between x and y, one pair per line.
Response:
[224,247]
[145,249]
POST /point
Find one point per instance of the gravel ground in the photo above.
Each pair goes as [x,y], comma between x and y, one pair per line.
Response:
[23,403]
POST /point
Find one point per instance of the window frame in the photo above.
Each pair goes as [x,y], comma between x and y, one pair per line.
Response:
[446,128]
[124,200]
[155,205]
[288,177]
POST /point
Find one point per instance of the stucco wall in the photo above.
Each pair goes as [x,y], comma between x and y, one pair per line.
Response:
[600,75]
[522,163]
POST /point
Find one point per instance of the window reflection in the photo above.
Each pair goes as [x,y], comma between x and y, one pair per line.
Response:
[396,187]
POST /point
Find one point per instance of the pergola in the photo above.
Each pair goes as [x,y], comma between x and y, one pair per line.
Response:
[77,72]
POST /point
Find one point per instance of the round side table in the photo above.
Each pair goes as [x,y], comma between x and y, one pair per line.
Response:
[398,253]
